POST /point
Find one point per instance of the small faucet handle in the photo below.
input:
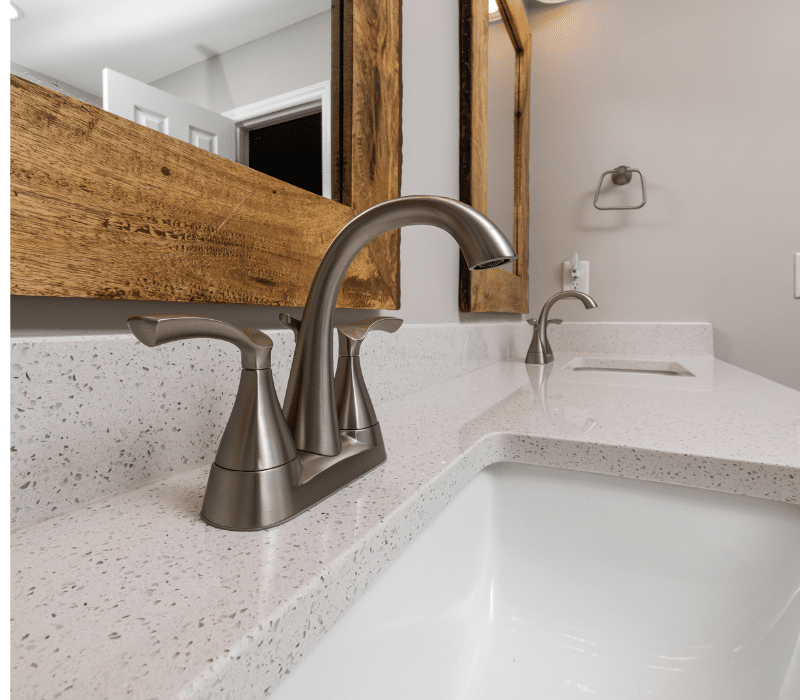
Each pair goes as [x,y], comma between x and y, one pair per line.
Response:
[290,322]
[354,407]
[535,322]
[158,329]
[351,335]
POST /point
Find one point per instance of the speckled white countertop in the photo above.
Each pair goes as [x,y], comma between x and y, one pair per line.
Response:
[135,596]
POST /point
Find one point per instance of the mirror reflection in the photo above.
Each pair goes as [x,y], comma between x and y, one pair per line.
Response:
[246,79]
[500,128]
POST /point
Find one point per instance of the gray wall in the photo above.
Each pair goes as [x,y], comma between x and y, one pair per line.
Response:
[704,98]
[292,58]
[429,257]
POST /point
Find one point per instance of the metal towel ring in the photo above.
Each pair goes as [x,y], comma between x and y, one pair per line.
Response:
[620,176]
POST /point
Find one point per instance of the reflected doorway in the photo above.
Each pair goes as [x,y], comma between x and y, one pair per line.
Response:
[289,132]
[290,150]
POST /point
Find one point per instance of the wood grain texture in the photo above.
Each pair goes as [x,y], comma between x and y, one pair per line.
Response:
[371,83]
[516,23]
[105,208]
[494,290]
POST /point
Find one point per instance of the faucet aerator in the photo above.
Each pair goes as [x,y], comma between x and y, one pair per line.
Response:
[492,263]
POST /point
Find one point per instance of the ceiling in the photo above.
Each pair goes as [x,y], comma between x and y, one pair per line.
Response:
[73,40]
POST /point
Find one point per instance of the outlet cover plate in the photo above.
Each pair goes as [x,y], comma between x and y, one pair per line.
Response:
[797,275]
[566,277]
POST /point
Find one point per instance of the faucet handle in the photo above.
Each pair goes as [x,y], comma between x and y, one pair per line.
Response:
[354,407]
[290,322]
[351,335]
[256,436]
[535,322]
[157,329]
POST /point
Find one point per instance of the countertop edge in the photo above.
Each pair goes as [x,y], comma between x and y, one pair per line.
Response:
[351,573]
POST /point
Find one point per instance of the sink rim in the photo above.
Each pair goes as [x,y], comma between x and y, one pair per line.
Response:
[642,489]
[643,366]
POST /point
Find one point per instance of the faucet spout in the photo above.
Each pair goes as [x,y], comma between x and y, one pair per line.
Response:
[539,352]
[310,405]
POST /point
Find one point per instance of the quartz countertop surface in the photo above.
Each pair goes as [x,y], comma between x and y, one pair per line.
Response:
[135,596]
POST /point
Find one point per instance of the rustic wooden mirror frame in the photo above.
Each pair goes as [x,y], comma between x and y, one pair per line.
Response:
[105,208]
[494,290]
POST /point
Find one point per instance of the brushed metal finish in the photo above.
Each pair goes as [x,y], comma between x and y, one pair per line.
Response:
[352,335]
[353,404]
[535,323]
[310,404]
[290,322]
[540,352]
[620,175]
[256,436]
[237,500]
[157,329]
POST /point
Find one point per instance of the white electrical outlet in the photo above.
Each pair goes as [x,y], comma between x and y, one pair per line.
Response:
[581,284]
[797,275]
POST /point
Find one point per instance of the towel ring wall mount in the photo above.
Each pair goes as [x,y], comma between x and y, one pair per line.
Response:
[620,176]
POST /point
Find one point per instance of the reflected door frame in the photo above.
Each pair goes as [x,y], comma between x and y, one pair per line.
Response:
[280,108]
[493,290]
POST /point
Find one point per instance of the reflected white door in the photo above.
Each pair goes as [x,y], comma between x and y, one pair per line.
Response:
[159,110]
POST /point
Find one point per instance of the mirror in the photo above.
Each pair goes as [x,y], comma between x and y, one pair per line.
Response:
[500,129]
[498,289]
[237,78]
[102,207]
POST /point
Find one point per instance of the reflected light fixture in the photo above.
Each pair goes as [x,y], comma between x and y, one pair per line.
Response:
[494,11]
[16,13]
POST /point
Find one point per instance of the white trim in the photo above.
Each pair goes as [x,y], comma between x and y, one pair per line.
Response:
[280,108]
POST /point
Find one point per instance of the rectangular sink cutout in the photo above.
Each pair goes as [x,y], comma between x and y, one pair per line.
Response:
[607,364]
[545,583]
[666,372]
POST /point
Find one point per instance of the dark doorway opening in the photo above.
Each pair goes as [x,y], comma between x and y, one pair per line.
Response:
[290,151]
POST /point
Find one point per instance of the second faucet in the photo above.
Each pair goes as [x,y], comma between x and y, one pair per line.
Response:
[540,352]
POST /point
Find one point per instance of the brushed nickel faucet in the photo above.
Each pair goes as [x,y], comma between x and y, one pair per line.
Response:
[268,468]
[540,352]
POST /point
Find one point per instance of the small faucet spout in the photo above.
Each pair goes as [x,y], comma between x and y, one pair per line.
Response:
[539,352]
[310,405]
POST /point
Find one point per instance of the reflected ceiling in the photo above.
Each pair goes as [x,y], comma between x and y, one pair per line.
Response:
[73,41]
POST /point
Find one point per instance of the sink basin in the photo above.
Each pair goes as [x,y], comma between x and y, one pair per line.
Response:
[605,364]
[547,583]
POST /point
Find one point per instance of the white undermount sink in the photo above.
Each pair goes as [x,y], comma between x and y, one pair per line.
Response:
[608,364]
[546,583]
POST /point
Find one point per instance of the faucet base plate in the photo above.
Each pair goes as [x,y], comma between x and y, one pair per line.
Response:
[257,500]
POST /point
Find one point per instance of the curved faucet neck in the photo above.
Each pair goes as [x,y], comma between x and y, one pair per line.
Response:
[588,303]
[540,351]
[310,404]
